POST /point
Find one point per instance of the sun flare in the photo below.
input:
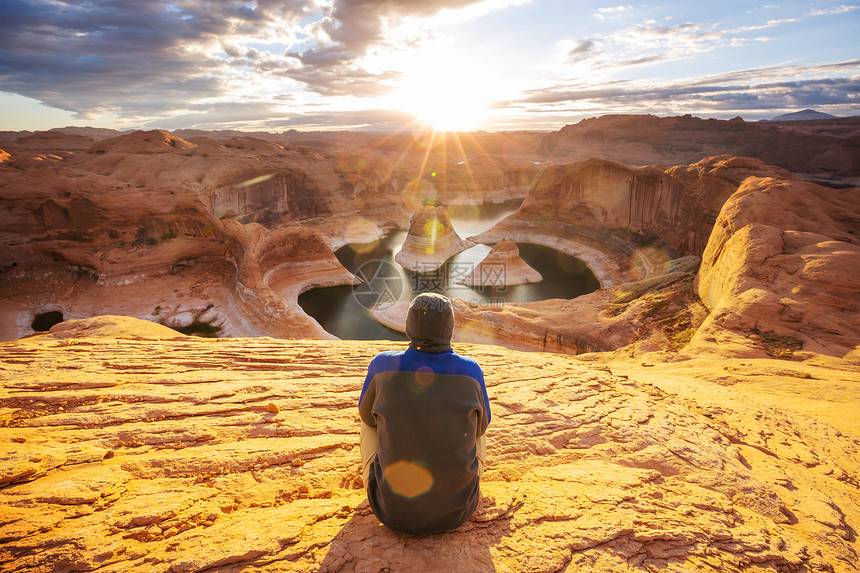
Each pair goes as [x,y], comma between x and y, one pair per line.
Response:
[447,93]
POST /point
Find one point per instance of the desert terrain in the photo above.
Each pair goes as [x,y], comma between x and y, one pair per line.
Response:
[695,413]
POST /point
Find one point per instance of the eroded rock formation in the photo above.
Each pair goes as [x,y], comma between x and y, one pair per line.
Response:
[431,240]
[127,447]
[660,313]
[502,266]
[783,262]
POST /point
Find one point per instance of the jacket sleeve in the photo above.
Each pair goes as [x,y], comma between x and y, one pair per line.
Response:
[484,419]
[368,397]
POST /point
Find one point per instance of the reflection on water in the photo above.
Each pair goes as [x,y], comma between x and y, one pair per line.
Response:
[343,310]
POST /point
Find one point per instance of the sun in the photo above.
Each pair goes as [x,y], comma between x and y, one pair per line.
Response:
[447,93]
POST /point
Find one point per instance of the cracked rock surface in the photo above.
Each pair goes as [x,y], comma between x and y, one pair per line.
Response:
[141,450]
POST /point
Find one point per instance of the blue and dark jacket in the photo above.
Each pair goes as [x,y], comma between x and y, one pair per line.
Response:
[429,406]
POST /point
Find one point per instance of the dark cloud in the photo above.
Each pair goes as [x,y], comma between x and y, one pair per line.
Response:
[582,50]
[356,24]
[342,80]
[221,115]
[125,56]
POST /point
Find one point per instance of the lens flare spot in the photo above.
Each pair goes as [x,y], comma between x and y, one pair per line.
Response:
[256,180]
[408,479]
[433,228]
[429,251]
[419,192]
[424,376]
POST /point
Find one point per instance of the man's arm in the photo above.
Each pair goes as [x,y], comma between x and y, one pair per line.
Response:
[484,418]
[368,395]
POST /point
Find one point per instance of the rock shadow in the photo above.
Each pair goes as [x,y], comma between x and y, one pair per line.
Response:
[364,544]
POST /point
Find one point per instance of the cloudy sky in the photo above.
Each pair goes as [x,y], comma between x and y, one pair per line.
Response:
[386,65]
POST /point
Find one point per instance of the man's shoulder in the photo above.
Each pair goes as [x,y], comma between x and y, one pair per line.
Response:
[386,360]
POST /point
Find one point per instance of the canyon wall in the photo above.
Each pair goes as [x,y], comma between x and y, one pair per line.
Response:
[169,229]
[778,271]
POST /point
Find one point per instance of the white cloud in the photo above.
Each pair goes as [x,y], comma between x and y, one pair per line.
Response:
[838,10]
[612,11]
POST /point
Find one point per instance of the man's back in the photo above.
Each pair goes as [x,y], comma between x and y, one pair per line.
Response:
[429,411]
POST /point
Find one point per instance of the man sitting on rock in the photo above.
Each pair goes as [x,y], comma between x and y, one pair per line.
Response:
[424,412]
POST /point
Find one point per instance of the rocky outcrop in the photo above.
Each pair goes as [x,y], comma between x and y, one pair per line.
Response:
[141,451]
[782,269]
[137,225]
[274,268]
[431,240]
[501,267]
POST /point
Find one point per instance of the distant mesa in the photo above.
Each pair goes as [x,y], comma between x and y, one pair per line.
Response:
[502,266]
[93,132]
[53,140]
[155,141]
[823,150]
[431,241]
[804,115]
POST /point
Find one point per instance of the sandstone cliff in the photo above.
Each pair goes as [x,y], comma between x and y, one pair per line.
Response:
[783,263]
[141,450]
